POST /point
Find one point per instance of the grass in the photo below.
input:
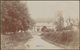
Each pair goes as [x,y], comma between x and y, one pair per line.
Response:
[65,38]
[11,41]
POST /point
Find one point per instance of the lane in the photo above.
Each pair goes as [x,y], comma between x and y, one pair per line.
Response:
[37,43]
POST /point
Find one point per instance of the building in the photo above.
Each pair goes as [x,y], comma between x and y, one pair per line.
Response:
[38,26]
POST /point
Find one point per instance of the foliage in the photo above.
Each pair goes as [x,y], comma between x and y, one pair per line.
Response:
[65,38]
[59,22]
[14,16]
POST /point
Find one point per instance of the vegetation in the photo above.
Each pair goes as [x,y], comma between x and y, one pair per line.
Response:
[66,36]
[59,22]
[14,18]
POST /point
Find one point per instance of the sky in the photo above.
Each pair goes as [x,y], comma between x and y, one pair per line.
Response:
[48,10]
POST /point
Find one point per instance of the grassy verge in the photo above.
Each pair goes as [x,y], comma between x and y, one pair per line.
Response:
[12,41]
[66,39]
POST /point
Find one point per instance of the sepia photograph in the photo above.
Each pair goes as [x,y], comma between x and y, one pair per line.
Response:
[39,25]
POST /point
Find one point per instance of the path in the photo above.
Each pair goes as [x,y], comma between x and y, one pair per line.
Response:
[37,43]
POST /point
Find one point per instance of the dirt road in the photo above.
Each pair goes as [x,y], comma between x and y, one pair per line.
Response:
[37,43]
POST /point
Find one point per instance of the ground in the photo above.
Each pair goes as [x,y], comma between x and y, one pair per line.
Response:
[37,43]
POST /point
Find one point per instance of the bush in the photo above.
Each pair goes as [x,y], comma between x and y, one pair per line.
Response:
[66,37]
[12,41]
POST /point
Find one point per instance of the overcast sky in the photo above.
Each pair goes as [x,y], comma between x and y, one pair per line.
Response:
[47,10]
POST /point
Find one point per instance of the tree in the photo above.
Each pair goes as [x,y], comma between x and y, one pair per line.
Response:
[60,22]
[70,23]
[14,17]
